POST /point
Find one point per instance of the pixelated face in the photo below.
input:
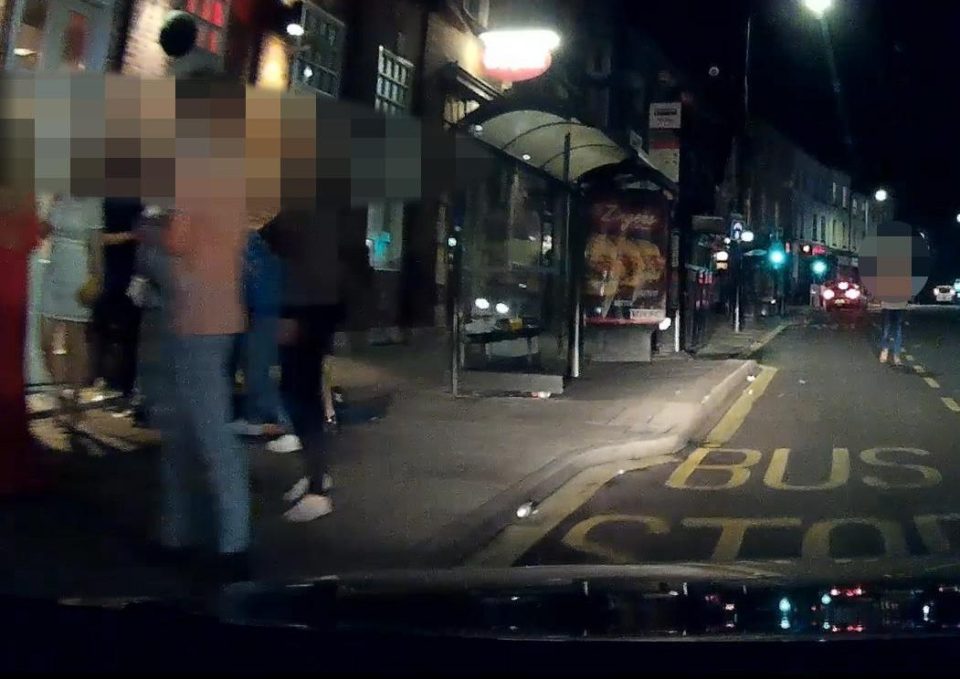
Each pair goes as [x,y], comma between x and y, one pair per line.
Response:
[894,262]
[90,135]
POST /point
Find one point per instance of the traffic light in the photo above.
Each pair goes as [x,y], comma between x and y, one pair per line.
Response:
[736,227]
[819,267]
[776,255]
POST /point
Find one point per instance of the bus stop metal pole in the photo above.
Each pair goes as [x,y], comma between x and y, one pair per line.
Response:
[573,345]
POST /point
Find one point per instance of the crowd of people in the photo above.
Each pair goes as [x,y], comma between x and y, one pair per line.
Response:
[167,308]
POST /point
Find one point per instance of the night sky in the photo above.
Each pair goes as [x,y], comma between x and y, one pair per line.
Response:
[893,117]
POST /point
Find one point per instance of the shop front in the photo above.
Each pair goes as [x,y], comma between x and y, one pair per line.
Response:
[516,325]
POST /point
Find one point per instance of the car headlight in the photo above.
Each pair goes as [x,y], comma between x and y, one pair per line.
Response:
[852,293]
[828,294]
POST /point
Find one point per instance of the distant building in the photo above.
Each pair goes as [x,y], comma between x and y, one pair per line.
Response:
[792,198]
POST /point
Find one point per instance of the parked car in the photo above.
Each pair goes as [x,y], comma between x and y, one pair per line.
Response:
[944,294]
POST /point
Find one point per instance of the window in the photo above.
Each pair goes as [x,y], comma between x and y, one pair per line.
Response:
[833,192]
[845,197]
[600,61]
[394,78]
[318,65]
[599,105]
[822,234]
[29,45]
[478,10]
[385,219]
[211,18]
[385,235]
[456,109]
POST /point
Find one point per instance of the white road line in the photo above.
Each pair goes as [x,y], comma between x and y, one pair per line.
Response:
[909,357]
[951,404]
[932,382]
[920,369]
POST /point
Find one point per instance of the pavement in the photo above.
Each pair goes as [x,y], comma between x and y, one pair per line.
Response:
[829,462]
[428,483]
[755,333]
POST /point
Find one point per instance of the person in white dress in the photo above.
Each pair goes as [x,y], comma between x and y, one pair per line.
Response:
[72,226]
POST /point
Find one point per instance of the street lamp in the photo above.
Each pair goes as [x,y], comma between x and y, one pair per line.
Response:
[881,195]
[818,7]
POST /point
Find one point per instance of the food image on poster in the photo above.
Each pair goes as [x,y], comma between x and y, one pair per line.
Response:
[626,260]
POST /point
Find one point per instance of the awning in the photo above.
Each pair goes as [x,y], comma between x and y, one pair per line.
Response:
[534,133]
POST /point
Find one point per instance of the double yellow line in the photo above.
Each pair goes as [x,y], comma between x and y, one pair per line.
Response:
[731,422]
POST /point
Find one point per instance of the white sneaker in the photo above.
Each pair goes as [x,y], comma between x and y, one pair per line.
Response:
[309,508]
[297,491]
[288,443]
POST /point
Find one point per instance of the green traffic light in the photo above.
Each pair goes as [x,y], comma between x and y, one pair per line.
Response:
[819,267]
[777,257]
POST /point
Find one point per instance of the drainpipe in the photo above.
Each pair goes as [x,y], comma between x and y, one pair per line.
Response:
[573,345]
[115,60]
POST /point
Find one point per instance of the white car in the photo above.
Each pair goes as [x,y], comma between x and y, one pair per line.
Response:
[944,293]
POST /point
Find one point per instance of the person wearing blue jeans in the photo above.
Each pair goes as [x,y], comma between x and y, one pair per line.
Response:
[892,339]
[200,425]
[258,349]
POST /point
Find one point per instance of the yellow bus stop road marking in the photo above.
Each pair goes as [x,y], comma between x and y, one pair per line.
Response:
[932,382]
[518,538]
[733,419]
[951,404]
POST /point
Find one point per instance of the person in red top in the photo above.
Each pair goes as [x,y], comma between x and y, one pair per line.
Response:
[19,235]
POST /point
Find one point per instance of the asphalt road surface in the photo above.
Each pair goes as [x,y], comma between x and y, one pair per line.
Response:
[830,456]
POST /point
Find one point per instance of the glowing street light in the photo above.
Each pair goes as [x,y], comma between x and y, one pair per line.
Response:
[881,195]
[818,7]
[958,217]
[295,30]
[518,54]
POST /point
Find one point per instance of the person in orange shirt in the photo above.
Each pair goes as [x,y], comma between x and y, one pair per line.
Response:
[205,239]
[19,235]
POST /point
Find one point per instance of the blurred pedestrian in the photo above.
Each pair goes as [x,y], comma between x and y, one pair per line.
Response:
[258,349]
[206,238]
[116,318]
[71,284]
[151,291]
[306,241]
[892,339]
[19,236]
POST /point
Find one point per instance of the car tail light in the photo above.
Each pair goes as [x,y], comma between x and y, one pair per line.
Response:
[843,285]
[851,294]
[828,294]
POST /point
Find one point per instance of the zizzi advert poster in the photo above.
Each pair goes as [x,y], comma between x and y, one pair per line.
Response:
[626,260]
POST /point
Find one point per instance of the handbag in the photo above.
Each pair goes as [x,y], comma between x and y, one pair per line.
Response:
[89,292]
